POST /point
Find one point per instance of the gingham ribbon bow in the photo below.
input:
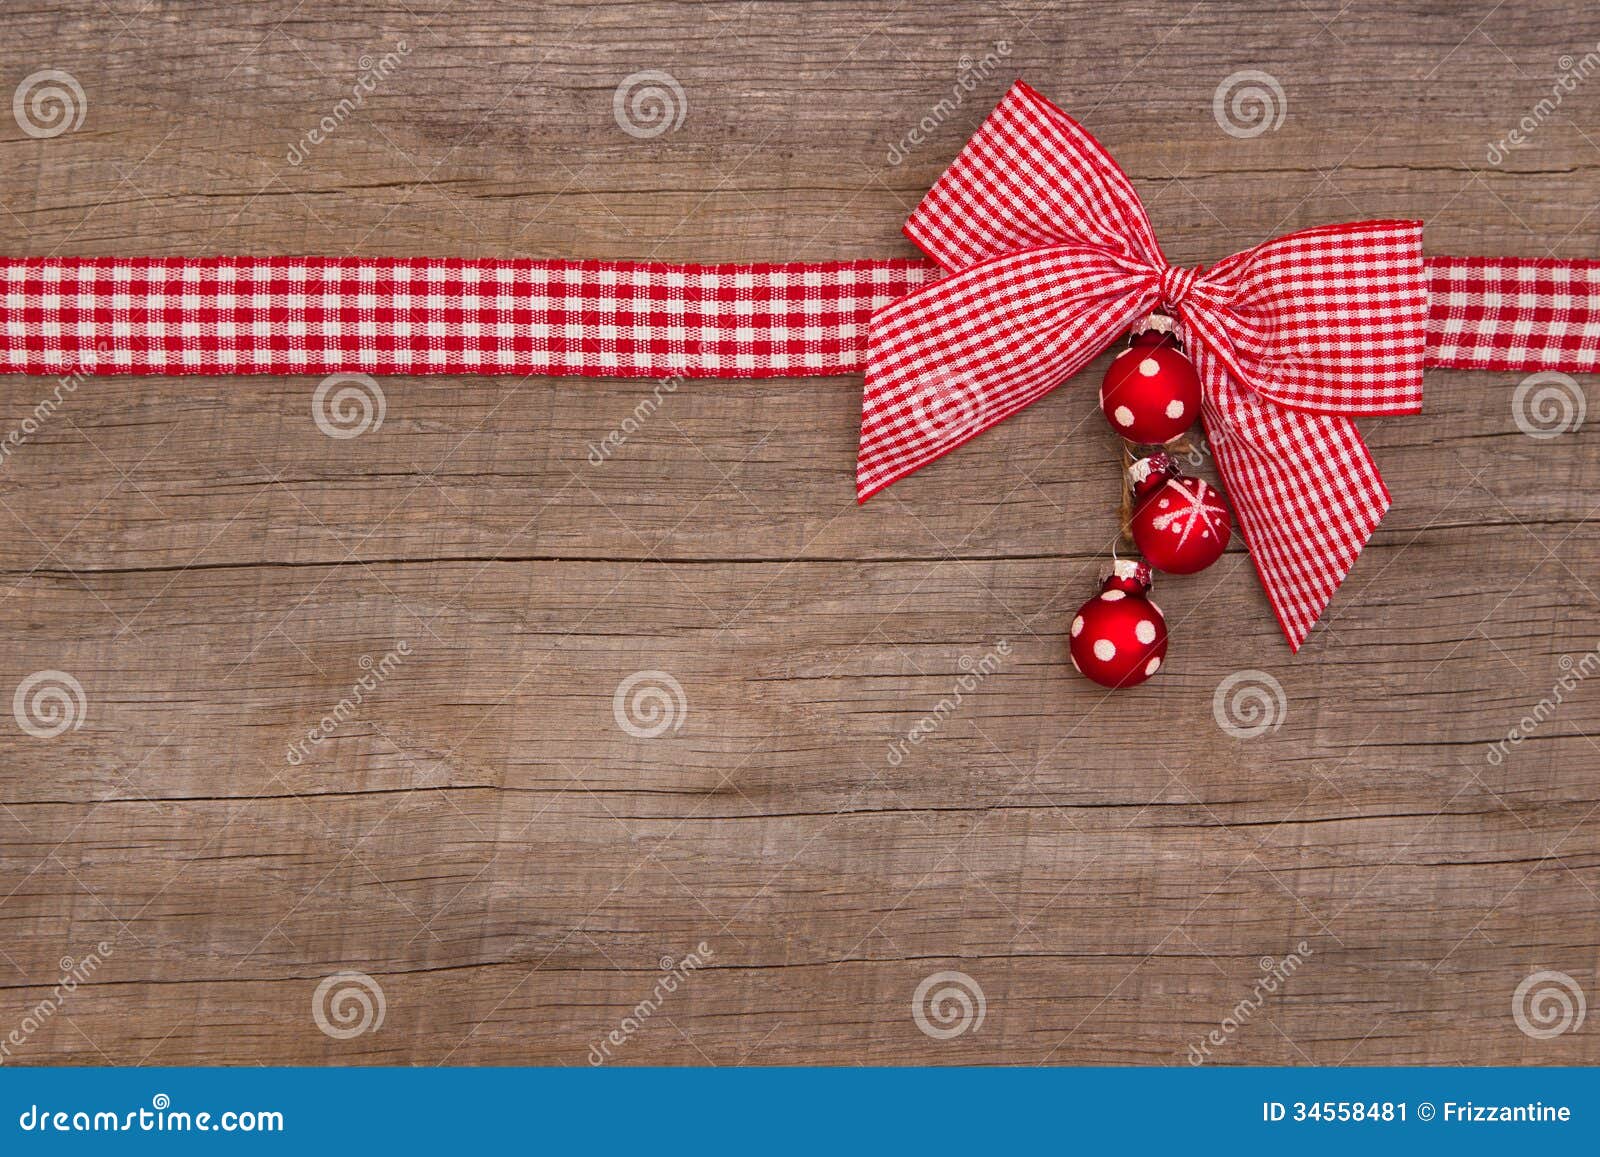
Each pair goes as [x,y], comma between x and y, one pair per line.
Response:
[1051,256]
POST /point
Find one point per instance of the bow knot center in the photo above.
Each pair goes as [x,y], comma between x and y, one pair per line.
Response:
[1176,282]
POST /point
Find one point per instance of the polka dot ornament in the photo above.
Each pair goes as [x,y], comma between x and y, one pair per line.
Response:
[1119,637]
[1151,393]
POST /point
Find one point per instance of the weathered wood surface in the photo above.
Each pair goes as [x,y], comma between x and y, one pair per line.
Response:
[482,838]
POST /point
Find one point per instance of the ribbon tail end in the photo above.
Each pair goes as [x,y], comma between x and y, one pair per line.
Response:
[867,485]
[1305,527]
[1303,615]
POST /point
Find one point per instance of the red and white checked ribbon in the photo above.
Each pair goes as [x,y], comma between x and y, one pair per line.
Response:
[381,315]
[1042,255]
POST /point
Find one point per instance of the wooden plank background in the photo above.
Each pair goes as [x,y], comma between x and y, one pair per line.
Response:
[481,838]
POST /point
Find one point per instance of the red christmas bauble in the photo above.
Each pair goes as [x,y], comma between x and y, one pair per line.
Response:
[1180,525]
[1151,392]
[1119,637]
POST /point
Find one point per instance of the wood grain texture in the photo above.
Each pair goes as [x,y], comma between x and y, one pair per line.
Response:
[481,837]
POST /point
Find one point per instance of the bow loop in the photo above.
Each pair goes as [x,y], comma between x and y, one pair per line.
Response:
[1331,319]
[1051,255]
[1059,188]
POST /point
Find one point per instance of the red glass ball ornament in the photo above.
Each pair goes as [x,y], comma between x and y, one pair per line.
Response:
[1180,525]
[1119,637]
[1151,392]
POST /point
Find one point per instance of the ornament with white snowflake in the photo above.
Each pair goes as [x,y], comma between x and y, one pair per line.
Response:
[1180,524]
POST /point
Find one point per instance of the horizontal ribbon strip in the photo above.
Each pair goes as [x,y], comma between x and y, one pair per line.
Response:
[321,315]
